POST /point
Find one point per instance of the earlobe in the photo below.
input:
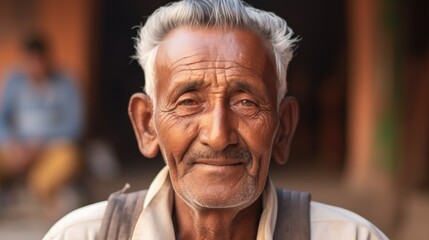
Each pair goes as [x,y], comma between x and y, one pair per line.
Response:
[288,121]
[140,110]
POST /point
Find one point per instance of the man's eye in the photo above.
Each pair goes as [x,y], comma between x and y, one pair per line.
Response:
[188,106]
[188,102]
[245,106]
[247,103]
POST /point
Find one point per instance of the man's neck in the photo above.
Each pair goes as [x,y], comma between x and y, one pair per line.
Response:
[193,223]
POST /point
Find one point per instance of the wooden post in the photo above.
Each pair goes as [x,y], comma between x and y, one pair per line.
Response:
[361,17]
[374,108]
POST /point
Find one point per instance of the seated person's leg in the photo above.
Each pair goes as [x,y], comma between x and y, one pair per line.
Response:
[14,161]
[58,163]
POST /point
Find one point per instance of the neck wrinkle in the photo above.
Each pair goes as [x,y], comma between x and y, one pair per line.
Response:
[193,223]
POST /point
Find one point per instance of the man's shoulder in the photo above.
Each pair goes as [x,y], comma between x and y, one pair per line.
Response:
[83,223]
[14,77]
[331,222]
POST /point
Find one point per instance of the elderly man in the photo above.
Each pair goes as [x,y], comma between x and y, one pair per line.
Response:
[217,110]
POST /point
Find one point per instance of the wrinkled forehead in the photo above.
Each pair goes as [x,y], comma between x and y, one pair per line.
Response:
[185,39]
[231,46]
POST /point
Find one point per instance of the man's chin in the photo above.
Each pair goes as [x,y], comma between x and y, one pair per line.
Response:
[218,196]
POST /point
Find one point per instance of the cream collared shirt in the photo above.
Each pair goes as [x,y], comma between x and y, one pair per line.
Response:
[327,222]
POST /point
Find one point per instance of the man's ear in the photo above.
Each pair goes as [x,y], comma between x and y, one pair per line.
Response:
[140,110]
[288,116]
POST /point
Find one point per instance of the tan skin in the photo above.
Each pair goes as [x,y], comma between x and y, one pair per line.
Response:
[216,121]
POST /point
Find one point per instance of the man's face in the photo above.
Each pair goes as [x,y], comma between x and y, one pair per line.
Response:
[36,66]
[216,114]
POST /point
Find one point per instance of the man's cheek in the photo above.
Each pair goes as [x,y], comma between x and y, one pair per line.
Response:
[259,135]
[176,135]
[165,123]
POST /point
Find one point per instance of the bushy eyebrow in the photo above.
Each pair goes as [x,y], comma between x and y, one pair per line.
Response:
[183,87]
[244,86]
[191,85]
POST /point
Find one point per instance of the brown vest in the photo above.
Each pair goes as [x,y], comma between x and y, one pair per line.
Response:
[123,210]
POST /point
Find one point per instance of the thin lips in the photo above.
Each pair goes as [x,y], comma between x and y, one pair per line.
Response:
[219,162]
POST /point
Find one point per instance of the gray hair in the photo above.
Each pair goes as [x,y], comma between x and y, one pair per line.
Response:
[214,13]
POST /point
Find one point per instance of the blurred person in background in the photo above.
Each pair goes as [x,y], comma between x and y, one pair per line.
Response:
[40,126]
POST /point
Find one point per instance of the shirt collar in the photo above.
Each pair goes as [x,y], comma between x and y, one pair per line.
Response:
[155,220]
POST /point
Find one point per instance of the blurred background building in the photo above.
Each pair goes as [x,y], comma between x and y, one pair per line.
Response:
[361,76]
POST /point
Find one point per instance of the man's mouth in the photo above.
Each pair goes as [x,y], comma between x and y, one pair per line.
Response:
[228,157]
[220,162]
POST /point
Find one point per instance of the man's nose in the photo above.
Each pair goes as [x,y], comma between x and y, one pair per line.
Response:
[218,128]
